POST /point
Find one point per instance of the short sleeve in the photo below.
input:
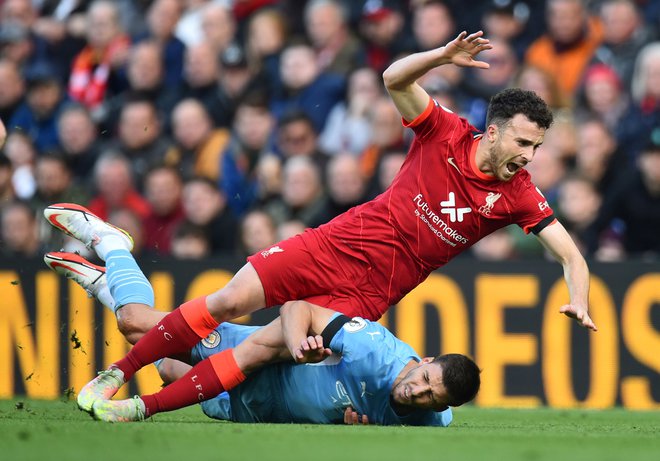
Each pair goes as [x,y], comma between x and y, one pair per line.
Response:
[437,123]
[533,213]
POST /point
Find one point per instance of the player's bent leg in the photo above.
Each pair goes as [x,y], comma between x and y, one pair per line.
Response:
[243,295]
[134,320]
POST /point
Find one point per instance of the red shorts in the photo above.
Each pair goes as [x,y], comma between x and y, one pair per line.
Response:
[308,267]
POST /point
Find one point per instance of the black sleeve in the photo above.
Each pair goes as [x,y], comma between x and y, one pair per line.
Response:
[332,328]
[543,224]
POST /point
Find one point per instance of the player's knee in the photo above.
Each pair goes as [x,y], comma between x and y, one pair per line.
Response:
[226,304]
[130,323]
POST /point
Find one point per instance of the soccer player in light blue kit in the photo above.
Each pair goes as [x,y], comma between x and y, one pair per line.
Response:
[367,375]
[362,373]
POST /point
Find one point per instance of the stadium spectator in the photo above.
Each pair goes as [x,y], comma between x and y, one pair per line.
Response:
[95,71]
[237,78]
[544,84]
[337,49]
[201,71]
[578,203]
[190,241]
[296,136]
[346,187]
[433,24]
[267,35]
[140,137]
[598,156]
[479,86]
[604,96]
[568,45]
[250,141]
[22,154]
[162,18]
[205,206]
[644,113]
[305,87]
[508,21]
[389,165]
[348,128]
[6,186]
[303,197]
[45,99]
[381,26]
[145,75]
[12,90]
[387,134]
[132,223]
[635,200]
[218,25]
[115,186]
[19,231]
[199,146]
[189,28]
[624,34]
[498,246]
[55,184]
[258,232]
[288,229]
[163,189]
[79,141]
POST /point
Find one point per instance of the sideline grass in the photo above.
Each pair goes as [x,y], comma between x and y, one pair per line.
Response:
[56,430]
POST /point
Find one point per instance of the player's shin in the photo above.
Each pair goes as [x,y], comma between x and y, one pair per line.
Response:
[204,381]
[175,334]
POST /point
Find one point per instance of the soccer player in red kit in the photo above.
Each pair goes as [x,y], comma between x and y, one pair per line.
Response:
[454,188]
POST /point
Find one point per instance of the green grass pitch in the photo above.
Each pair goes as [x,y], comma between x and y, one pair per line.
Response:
[56,430]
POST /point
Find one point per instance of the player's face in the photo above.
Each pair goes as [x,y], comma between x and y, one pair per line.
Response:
[422,387]
[513,146]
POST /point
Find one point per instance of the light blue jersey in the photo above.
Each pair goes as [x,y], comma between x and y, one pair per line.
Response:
[366,360]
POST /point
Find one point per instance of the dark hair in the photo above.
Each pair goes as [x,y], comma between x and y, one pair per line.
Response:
[460,375]
[506,104]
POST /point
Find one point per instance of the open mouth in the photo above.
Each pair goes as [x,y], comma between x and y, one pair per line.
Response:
[513,167]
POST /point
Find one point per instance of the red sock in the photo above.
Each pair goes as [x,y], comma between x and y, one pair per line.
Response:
[207,379]
[176,333]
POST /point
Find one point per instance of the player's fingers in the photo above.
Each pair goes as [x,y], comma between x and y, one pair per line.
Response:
[474,36]
[365,420]
[304,345]
[347,415]
[354,417]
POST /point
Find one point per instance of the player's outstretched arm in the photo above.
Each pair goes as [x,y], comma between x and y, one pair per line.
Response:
[576,273]
[302,325]
[400,78]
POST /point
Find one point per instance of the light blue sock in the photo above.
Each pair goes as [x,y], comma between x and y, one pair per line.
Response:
[126,281]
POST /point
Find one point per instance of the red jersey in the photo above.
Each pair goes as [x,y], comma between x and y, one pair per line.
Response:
[438,205]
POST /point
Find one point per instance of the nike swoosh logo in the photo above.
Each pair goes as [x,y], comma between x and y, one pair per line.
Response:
[65,266]
[53,220]
[451,162]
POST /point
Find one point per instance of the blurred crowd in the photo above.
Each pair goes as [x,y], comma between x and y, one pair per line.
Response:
[211,127]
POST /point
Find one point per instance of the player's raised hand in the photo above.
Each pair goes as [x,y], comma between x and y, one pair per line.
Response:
[352,418]
[579,313]
[311,350]
[463,49]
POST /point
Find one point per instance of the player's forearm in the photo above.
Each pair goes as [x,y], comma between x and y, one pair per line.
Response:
[296,321]
[576,274]
[264,346]
[404,72]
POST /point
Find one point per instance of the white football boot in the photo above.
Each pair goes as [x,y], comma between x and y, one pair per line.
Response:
[119,411]
[89,276]
[80,223]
